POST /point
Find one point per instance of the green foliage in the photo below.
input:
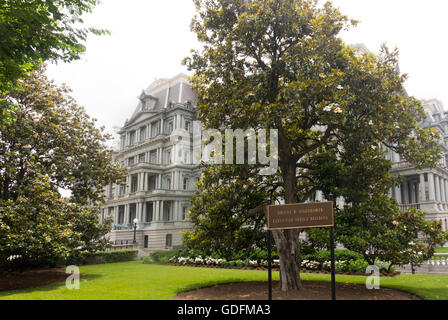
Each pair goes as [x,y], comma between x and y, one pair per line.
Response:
[378,230]
[161,256]
[282,65]
[87,258]
[51,144]
[357,266]
[37,31]
[340,255]
[34,32]
[219,213]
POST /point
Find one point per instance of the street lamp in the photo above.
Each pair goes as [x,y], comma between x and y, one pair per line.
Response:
[135,230]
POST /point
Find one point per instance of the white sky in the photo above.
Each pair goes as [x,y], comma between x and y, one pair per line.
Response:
[150,38]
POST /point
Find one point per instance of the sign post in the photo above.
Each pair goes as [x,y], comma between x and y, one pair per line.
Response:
[301,216]
[269,265]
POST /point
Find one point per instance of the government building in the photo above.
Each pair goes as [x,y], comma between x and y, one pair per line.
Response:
[161,178]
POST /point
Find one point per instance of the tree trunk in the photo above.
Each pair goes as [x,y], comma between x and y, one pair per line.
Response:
[287,241]
[289,254]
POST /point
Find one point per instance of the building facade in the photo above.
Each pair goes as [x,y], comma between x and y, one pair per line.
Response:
[161,177]
[161,174]
[426,189]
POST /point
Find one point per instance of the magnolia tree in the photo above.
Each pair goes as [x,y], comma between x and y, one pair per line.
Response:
[281,65]
[37,31]
[52,144]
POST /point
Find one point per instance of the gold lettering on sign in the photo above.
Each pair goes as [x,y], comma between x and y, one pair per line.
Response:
[300,216]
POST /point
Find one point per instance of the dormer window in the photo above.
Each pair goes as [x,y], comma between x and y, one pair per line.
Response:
[148,101]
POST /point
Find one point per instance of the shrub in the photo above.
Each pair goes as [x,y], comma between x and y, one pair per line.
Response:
[359,266]
[162,256]
[339,255]
[103,257]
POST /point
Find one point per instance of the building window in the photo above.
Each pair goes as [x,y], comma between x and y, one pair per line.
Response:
[141,158]
[169,240]
[134,183]
[167,211]
[185,183]
[152,183]
[168,184]
[170,127]
[184,213]
[120,214]
[132,138]
[123,142]
[130,161]
[153,157]
[121,190]
[149,212]
[146,242]
[111,190]
[142,134]
[132,212]
[188,126]
[110,212]
[168,157]
[155,129]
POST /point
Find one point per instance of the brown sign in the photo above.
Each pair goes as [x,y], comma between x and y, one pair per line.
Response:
[300,216]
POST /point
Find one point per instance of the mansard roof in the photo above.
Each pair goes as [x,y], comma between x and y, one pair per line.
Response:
[159,94]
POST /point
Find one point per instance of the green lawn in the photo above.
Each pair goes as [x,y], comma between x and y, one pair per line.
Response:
[442,250]
[134,280]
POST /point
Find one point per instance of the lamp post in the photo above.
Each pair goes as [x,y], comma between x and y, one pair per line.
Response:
[135,230]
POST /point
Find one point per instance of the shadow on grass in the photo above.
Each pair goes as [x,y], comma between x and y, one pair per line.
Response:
[48,287]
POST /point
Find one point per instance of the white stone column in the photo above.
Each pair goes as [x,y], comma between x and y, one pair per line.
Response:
[155,211]
[405,193]
[442,190]
[446,189]
[397,191]
[126,214]
[115,215]
[437,187]
[432,194]
[422,188]
[139,214]
[161,210]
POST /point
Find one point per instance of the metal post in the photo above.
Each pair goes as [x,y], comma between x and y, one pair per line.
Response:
[269,265]
[333,269]
[135,233]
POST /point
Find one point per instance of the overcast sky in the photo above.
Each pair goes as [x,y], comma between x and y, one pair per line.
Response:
[150,38]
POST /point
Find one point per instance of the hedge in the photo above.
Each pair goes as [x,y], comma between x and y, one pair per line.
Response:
[103,257]
[161,256]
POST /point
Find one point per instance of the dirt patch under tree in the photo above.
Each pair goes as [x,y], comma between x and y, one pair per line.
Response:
[30,278]
[312,291]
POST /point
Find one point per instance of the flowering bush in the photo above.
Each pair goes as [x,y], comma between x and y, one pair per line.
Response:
[358,266]
[311,265]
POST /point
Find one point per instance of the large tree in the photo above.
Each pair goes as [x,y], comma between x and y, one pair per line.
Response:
[35,31]
[220,211]
[52,144]
[281,65]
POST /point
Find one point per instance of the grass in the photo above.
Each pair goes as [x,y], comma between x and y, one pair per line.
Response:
[137,281]
[442,250]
